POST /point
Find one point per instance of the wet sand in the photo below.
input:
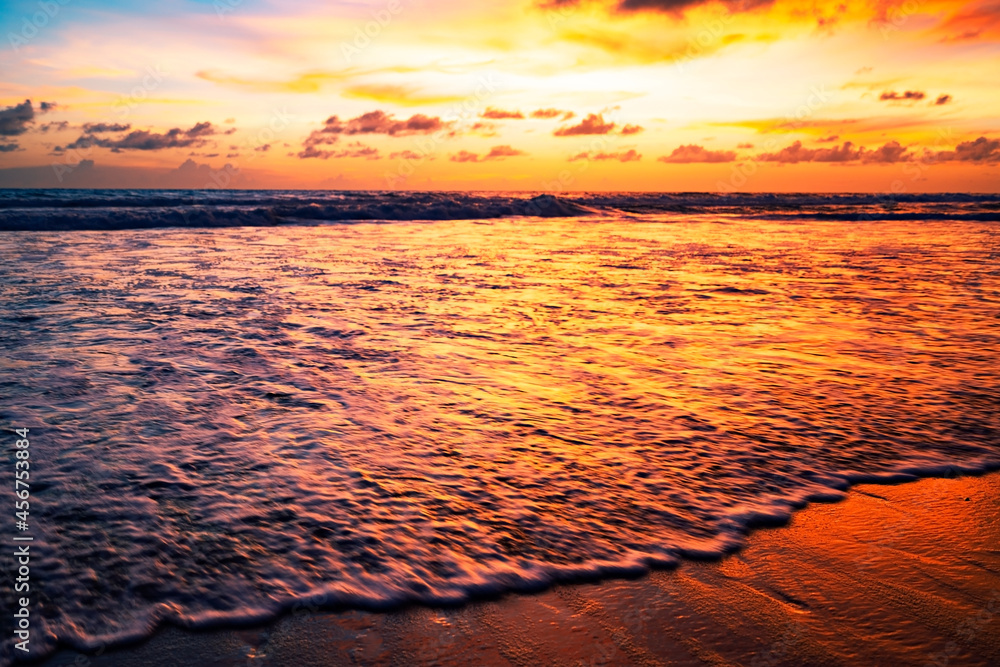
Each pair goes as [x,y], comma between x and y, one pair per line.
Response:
[892,575]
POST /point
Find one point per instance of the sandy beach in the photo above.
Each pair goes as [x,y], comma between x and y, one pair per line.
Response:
[903,574]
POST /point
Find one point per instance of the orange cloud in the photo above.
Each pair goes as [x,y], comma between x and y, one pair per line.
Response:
[552,113]
[628,156]
[592,124]
[500,114]
[974,21]
[496,153]
[694,153]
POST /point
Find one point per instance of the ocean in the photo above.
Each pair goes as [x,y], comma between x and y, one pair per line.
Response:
[241,400]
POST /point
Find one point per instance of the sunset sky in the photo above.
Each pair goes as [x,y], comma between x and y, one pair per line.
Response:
[502,94]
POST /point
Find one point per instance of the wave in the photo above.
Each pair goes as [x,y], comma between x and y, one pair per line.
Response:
[138,209]
[382,596]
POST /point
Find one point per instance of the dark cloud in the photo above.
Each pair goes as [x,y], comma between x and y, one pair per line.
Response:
[592,124]
[891,152]
[942,99]
[500,114]
[47,106]
[263,148]
[15,120]
[980,150]
[694,153]
[373,122]
[632,129]
[847,152]
[668,6]
[552,113]
[203,129]
[796,153]
[379,122]
[496,153]
[55,126]
[907,96]
[94,128]
[311,146]
[144,140]
[355,149]
[7,148]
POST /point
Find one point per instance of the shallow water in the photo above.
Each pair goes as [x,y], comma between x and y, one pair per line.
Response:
[225,421]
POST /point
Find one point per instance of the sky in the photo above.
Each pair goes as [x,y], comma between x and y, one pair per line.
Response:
[532,95]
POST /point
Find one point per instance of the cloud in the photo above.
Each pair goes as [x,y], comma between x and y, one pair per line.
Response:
[15,120]
[825,140]
[7,148]
[355,149]
[846,152]
[889,153]
[795,153]
[552,113]
[628,156]
[496,153]
[500,114]
[674,7]
[483,129]
[592,124]
[942,99]
[907,96]
[144,140]
[379,122]
[464,156]
[410,155]
[980,150]
[632,129]
[373,122]
[500,152]
[973,21]
[55,126]
[94,128]
[694,153]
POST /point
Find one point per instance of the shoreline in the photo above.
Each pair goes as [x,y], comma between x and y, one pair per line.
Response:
[878,577]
